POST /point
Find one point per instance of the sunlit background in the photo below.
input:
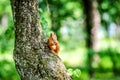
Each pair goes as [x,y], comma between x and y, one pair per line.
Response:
[89,52]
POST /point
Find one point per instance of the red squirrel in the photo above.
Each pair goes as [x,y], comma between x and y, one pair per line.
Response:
[53,43]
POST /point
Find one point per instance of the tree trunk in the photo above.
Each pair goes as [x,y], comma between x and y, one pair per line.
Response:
[32,57]
[92,23]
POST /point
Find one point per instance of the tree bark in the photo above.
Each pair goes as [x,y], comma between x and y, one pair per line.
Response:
[32,57]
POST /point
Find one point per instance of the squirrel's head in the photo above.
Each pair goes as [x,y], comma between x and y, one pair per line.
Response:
[53,36]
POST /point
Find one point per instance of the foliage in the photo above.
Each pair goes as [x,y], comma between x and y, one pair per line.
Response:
[109,13]
[7,66]
[7,70]
[75,74]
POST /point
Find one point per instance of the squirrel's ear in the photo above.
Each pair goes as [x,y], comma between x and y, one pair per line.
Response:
[55,35]
[50,34]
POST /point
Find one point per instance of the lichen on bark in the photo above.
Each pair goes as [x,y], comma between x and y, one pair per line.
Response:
[32,57]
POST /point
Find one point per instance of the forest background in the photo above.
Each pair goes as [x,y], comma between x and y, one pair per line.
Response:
[88,32]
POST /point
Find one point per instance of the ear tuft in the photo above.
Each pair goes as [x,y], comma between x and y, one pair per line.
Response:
[54,35]
[50,34]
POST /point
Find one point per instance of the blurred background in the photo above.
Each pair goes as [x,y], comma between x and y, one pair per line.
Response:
[88,32]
